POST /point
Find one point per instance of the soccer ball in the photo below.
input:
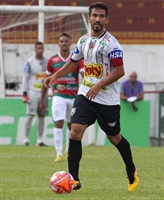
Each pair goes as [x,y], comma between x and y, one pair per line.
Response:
[61,182]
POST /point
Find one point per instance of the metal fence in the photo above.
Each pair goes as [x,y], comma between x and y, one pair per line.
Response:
[156,99]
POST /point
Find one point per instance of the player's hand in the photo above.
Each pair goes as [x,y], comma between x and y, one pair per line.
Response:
[26,99]
[42,106]
[49,80]
[91,94]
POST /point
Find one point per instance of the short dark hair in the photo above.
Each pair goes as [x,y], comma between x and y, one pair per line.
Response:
[98,5]
[38,43]
[65,34]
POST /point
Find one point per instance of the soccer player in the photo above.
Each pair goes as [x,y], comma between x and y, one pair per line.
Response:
[34,73]
[132,88]
[98,96]
[64,92]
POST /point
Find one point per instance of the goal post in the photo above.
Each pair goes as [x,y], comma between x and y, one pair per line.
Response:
[2,75]
[44,9]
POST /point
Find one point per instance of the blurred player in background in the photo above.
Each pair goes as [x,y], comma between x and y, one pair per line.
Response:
[64,92]
[98,97]
[132,90]
[34,74]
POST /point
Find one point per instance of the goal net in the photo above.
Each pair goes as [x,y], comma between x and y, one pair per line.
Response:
[19,32]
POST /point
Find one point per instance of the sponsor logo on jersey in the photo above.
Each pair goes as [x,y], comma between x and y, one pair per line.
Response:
[93,70]
[60,87]
[115,54]
[40,76]
[26,67]
[82,40]
[70,87]
[102,42]
[76,50]
[89,84]
[38,86]
[106,38]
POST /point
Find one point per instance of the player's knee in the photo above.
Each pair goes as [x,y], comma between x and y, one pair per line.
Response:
[29,120]
[77,131]
[74,135]
[114,139]
[59,124]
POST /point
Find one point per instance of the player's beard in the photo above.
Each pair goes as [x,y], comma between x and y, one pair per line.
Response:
[97,28]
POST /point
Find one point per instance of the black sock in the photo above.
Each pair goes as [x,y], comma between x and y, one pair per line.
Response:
[124,148]
[74,157]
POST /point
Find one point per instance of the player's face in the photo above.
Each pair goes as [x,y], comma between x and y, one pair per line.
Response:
[97,19]
[39,49]
[64,43]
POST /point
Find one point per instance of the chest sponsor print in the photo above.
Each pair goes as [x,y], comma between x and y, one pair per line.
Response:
[93,70]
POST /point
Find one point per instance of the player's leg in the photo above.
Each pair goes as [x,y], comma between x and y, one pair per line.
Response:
[81,117]
[109,120]
[68,118]
[75,151]
[41,119]
[67,138]
[58,114]
[123,147]
[30,111]
[27,127]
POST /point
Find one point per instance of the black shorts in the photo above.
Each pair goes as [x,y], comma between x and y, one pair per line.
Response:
[87,112]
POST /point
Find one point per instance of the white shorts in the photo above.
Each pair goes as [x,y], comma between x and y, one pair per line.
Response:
[61,108]
[33,107]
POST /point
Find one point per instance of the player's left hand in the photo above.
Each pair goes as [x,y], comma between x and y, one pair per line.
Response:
[91,94]
[49,80]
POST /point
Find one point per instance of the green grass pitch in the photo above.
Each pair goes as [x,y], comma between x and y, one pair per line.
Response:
[25,174]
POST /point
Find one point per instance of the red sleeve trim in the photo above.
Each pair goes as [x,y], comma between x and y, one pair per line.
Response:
[116,62]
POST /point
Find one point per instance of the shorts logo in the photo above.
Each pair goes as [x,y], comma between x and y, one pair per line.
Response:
[112,124]
[73,111]
[60,87]
[93,70]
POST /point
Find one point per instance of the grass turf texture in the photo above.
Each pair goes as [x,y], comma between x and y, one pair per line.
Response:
[25,174]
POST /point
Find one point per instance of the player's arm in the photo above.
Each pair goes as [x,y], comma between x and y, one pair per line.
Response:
[49,71]
[25,82]
[117,73]
[66,69]
[115,56]
[81,67]
[42,104]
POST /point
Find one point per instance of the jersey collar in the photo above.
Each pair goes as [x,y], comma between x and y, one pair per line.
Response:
[100,35]
[65,60]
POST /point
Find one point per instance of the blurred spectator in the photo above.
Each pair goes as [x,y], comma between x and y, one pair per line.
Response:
[132,90]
